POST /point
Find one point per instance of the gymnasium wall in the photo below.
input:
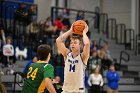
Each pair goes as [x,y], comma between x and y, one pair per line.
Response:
[44,7]
[84,4]
[119,9]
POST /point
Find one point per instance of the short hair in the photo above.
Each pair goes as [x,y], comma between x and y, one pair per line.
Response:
[76,37]
[8,37]
[43,52]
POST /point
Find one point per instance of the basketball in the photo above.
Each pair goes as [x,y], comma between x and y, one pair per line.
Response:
[78,27]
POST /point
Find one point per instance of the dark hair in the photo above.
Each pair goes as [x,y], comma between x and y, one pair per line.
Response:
[97,67]
[8,37]
[112,64]
[43,52]
[33,56]
[22,3]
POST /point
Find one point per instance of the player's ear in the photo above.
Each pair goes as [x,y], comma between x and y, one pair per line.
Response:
[49,56]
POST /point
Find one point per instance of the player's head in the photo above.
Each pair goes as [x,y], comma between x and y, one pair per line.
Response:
[75,43]
[43,52]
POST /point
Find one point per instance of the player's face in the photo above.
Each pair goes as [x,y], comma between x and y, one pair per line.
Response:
[75,44]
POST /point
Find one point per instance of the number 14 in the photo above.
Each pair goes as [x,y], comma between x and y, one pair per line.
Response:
[72,68]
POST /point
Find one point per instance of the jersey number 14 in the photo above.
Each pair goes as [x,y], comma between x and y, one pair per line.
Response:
[72,68]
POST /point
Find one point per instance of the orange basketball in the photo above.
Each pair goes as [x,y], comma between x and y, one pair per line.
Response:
[78,27]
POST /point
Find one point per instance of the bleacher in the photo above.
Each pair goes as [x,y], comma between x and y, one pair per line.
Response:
[121,40]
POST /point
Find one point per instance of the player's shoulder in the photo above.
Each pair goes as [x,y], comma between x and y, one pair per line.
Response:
[33,64]
[69,54]
[48,66]
[36,64]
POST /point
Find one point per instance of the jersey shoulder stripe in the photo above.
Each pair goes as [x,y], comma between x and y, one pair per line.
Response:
[46,65]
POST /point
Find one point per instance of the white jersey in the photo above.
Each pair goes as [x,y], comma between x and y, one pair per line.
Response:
[74,74]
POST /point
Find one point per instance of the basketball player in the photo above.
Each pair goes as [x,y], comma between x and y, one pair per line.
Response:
[40,74]
[75,62]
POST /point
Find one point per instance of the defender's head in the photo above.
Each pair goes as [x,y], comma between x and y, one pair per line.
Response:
[43,52]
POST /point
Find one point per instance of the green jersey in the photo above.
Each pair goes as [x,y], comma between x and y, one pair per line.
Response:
[37,72]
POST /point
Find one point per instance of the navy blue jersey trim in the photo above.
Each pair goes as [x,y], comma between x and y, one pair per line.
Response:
[68,53]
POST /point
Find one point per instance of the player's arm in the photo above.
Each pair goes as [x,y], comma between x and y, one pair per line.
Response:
[48,76]
[60,42]
[49,85]
[86,49]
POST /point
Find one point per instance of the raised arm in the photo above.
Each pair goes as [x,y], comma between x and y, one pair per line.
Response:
[3,36]
[60,42]
[86,49]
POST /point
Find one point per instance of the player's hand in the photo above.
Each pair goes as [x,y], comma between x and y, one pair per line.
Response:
[71,28]
[86,29]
